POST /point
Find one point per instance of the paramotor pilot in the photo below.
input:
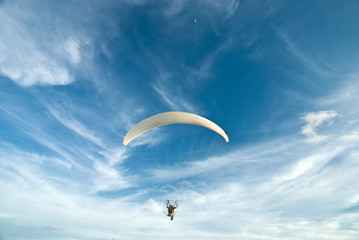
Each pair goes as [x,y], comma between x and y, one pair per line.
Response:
[171,209]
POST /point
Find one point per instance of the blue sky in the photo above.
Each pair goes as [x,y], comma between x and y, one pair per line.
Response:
[280,76]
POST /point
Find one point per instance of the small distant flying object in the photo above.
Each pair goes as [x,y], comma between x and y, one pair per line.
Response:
[169,208]
[167,118]
[195,20]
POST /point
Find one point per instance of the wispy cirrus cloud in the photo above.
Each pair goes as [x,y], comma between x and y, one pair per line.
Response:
[23,120]
[97,163]
[176,96]
[23,57]
[203,71]
[33,52]
[315,65]
[76,126]
[296,52]
[227,7]
[173,97]
[345,93]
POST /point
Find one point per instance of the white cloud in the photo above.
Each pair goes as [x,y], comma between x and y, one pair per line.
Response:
[38,50]
[109,179]
[24,59]
[116,156]
[72,47]
[313,120]
[308,164]
[30,67]
[351,136]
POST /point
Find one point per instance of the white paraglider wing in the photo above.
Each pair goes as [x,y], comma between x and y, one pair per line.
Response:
[167,118]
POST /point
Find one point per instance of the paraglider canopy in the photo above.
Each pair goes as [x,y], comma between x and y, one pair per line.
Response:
[167,118]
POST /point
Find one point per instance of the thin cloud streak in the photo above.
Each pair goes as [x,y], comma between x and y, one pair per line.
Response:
[305,59]
[172,97]
[226,8]
[37,134]
[76,126]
